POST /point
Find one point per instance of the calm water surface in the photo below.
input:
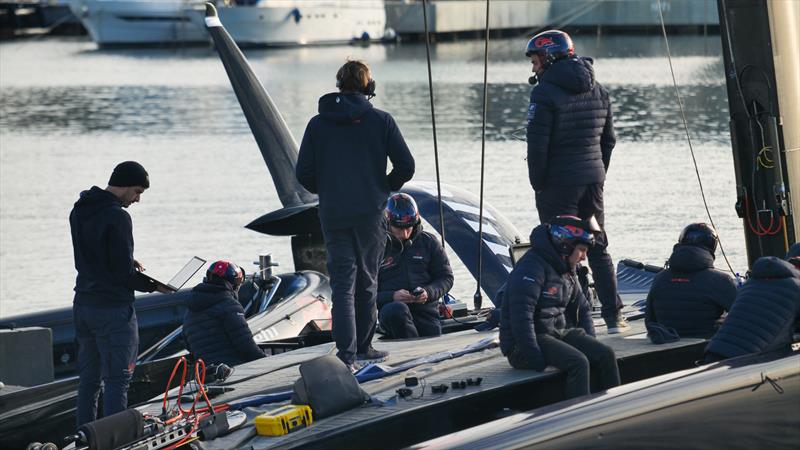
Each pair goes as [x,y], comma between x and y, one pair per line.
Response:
[69,112]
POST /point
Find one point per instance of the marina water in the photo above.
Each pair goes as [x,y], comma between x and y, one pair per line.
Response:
[69,112]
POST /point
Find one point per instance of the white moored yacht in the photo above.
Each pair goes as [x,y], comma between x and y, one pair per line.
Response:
[300,22]
[138,22]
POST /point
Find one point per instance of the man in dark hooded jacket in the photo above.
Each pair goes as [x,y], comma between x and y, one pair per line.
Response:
[214,326]
[546,319]
[343,158]
[414,275]
[690,295]
[570,137]
[763,315]
[105,320]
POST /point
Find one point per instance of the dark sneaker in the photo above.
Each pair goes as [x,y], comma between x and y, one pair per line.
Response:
[371,356]
[617,324]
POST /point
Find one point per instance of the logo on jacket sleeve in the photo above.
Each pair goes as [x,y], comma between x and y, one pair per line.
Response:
[387,262]
[531,112]
[550,291]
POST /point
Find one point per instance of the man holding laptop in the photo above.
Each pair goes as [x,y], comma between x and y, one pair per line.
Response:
[103,312]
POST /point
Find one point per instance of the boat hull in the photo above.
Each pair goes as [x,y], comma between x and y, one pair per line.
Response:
[292,23]
[132,22]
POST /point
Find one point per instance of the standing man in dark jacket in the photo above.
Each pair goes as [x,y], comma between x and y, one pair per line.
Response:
[545,318]
[343,158]
[690,295]
[414,275]
[105,319]
[763,315]
[214,326]
[570,138]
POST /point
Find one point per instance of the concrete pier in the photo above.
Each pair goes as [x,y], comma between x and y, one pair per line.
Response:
[465,16]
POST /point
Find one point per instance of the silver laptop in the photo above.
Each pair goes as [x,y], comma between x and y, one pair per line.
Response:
[182,276]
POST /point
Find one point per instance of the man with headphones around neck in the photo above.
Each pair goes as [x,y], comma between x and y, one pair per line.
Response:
[343,159]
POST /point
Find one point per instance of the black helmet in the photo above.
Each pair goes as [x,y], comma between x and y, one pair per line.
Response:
[402,211]
[568,231]
[553,45]
[701,235]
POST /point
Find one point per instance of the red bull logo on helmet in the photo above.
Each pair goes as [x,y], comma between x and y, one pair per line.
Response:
[544,41]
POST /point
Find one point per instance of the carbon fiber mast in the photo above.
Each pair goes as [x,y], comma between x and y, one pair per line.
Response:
[760,49]
[298,217]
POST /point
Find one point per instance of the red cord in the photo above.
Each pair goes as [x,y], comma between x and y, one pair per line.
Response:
[761,232]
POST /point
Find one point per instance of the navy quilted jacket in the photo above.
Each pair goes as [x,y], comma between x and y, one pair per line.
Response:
[690,296]
[570,127]
[542,295]
[763,316]
[215,328]
[420,261]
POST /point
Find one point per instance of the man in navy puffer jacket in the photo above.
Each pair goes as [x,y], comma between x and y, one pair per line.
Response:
[690,295]
[414,275]
[214,326]
[763,315]
[545,318]
[570,136]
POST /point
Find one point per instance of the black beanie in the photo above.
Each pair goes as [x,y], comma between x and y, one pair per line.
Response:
[129,173]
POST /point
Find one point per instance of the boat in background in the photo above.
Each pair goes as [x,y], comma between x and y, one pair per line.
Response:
[138,22]
[270,23]
[278,23]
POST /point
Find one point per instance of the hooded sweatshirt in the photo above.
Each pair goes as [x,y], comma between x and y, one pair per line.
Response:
[763,315]
[690,296]
[102,242]
[343,158]
[570,127]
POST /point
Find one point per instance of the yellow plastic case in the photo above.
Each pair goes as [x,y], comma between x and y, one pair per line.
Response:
[283,420]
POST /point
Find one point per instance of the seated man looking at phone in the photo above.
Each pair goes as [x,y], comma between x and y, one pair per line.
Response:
[414,274]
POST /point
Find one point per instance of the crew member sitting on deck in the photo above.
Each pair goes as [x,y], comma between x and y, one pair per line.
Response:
[414,274]
[764,313]
[214,326]
[545,317]
[690,295]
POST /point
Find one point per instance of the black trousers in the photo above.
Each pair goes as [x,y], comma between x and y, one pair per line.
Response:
[402,322]
[574,352]
[108,341]
[584,202]
[353,258]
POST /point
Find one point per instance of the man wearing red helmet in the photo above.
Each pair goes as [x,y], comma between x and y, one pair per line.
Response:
[214,326]
[545,319]
[414,275]
[570,137]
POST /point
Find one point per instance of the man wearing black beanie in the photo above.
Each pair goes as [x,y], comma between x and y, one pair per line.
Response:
[105,320]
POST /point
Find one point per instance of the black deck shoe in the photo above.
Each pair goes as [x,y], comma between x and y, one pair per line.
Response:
[370,356]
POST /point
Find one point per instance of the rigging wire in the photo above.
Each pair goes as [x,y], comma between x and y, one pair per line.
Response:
[433,121]
[477,299]
[688,136]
